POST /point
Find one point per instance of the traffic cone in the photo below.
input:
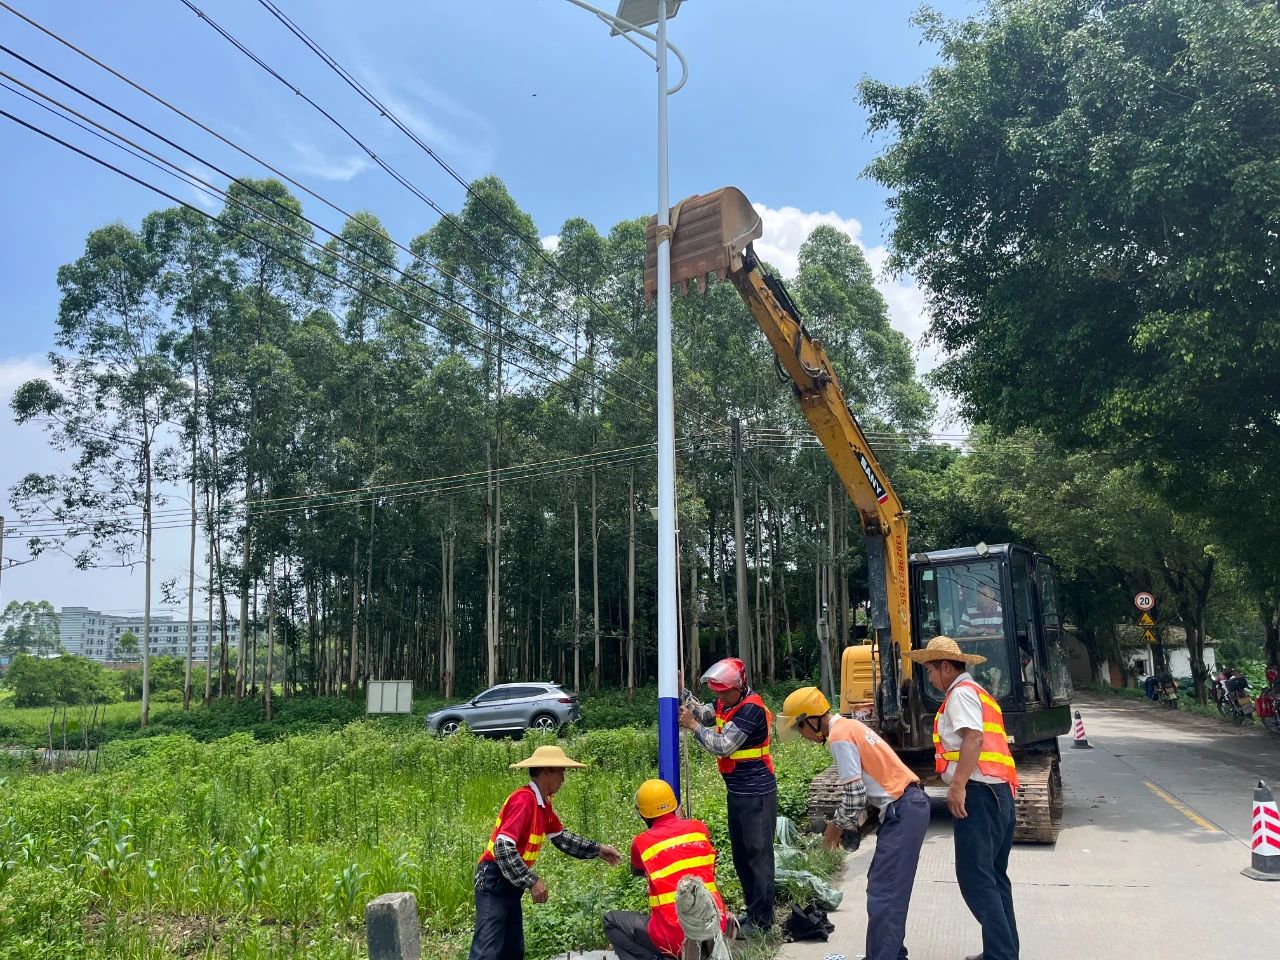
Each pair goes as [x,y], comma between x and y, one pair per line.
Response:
[1081,742]
[1266,836]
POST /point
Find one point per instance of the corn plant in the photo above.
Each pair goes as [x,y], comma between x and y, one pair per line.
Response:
[251,864]
[345,892]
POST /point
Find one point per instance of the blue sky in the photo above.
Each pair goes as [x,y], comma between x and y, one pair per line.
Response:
[533,90]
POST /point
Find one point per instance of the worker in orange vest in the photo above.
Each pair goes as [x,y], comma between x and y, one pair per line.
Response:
[505,870]
[737,732]
[971,752]
[669,850]
[871,773]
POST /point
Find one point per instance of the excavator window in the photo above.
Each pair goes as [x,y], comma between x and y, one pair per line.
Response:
[964,601]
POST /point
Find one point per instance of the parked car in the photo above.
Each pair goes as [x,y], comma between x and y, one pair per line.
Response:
[509,708]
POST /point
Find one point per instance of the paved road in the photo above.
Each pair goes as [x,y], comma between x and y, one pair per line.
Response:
[1148,863]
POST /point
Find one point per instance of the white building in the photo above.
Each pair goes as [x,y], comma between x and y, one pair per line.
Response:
[93,634]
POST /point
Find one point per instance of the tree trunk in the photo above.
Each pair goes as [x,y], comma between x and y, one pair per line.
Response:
[242,646]
[191,565]
[147,561]
[577,602]
[208,649]
[355,618]
[595,584]
[368,594]
[760,647]
[740,553]
[631,586]
[271,638]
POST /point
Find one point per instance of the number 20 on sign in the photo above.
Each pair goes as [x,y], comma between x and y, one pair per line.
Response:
[1144,601]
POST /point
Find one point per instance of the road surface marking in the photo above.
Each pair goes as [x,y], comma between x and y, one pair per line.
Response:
[1182,808]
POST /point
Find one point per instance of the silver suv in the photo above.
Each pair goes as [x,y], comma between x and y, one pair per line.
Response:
[509,708]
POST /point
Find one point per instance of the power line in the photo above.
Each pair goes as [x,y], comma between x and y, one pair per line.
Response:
[274,170]
[557,466]
[415,257]
[515,476]
[385,111]
[199,183]
[205,186]
[391,171]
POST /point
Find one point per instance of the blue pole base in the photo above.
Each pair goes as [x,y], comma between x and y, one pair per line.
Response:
[669,741]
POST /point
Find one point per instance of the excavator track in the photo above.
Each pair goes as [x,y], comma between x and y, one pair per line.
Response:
[1039,800]
[1038,804]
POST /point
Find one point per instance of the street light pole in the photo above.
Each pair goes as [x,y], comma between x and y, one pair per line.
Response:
[668,647]
[626,23]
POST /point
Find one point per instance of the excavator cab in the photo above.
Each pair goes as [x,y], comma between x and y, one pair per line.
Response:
[1000,602]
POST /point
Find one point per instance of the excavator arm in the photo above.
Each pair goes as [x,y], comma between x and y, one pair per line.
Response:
[711,235]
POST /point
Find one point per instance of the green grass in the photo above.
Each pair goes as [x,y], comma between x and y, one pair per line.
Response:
[244,847]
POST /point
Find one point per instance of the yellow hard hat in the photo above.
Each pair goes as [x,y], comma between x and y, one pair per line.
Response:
[654,798]
[800,705]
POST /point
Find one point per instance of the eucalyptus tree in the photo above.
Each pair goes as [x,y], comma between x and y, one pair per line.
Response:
[110,397]
[262,227]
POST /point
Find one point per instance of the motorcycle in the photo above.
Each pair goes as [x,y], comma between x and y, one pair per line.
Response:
[1165,689]
[1239,702]
[1218,691]
[1268,702]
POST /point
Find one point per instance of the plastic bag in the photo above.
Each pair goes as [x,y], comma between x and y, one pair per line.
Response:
[789,858]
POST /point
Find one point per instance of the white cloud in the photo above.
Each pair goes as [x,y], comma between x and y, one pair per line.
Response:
[315,162]
[462,137]
[787,228]
[551,243]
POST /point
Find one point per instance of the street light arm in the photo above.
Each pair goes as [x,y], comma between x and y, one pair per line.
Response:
[626,29]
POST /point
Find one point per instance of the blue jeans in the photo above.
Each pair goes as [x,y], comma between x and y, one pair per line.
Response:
[903,824]
[983,840]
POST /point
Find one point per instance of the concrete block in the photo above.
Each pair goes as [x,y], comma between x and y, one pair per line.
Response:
[391,924]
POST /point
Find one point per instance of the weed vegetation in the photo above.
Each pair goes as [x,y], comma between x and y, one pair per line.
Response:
[268,842]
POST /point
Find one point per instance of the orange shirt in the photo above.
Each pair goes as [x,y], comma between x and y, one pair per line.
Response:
[860,752]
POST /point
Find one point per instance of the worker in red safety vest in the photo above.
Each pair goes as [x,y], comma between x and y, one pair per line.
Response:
[736,731]
[505,870]
[670,849]
[971,752]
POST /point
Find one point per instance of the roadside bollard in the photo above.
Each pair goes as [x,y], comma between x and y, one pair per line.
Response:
[1081,742]
[1265,863]
[391,925]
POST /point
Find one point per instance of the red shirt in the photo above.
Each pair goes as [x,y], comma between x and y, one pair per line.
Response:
[676,847]
[526,823]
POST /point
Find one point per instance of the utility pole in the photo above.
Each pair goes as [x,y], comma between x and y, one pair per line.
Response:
[740,538]
[1,552]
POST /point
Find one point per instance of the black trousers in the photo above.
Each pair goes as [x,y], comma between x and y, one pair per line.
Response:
[983,840]
[628,934]
[752,823]
[499,923]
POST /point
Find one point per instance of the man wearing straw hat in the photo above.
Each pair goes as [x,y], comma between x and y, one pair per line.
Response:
[505,870]
[971,751]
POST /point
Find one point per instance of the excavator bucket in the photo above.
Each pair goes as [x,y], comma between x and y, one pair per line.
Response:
[709,232]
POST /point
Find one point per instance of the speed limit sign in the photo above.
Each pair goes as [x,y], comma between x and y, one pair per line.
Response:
[1144,601]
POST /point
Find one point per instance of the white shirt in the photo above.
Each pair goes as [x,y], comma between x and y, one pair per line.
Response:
[963,712]
[849,768]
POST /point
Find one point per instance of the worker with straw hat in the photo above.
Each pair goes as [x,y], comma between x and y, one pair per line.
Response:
[971,752]
[870,772]
[505,870]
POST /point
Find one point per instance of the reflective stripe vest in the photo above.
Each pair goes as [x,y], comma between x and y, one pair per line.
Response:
[759,751]
[532,845]
[669,850]
[995,760]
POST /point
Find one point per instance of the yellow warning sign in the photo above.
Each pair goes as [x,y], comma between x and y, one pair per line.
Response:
[1148,636]
[1146,620]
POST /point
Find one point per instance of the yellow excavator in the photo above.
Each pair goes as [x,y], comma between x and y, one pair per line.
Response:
[1000,601]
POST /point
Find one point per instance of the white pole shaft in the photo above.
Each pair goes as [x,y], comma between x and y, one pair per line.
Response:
[668,651]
